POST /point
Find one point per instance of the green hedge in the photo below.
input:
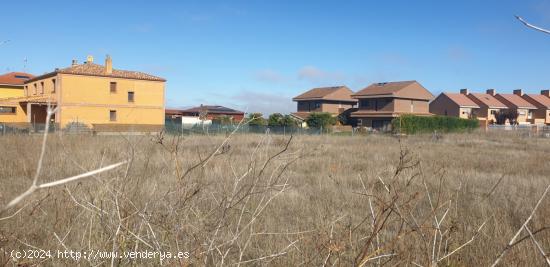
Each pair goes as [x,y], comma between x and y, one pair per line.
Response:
[410,124]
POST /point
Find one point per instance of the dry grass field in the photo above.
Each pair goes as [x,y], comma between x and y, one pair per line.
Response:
[267,200]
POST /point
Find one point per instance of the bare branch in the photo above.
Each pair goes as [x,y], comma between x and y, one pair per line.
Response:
[538,246]
[532,26]
[465,244]
[521,228]
[34,186]
[84,175]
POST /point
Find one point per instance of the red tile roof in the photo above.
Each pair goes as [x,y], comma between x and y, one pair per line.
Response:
[487,100]
[404,89]
[461,100]
[514,101]
[92,69]
[15,78]
[327,93]
[542,100]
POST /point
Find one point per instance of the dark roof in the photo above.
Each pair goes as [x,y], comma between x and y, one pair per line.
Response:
[92,69]
[403,89]
[213,109]
[461,100]
[327,93]
[15,78]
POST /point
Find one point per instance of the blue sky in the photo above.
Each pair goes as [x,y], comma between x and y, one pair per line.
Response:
[257,55]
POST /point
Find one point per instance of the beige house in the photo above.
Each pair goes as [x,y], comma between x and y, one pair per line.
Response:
[334,100]
[489,106]
[541,115]
[516,103]
[455,105]
[380,103]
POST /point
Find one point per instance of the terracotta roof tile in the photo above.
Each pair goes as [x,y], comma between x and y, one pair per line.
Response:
[405,89]
[326,93]
[541,100]
[461,100]
[515,101]
[15,78]
[385,88]
[487,100]
[93,69]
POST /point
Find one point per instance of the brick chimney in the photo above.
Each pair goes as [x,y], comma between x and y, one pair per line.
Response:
[545,92]
[465,91]
[518,92]
[108,65]
[89,59]
[74,62]
[491,92]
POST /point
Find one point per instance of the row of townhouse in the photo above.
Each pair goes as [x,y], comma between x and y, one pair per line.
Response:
[374,106]
[379,103]
[530,108]
[92,95]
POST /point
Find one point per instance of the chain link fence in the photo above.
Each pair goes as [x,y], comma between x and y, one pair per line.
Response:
[224,129]
[175,129]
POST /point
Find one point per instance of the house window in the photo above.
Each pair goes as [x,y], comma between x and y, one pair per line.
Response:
[130,96]
[53,85]
[112,115]
[113,87]
[7,110]
[317,105]
[530,114]
[35,89]
[42,88]
[412,106]
[493,112]
[365,103]
[381,103]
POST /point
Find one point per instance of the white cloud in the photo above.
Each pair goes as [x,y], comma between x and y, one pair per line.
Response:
[269,76]
[316,75]
[266,103]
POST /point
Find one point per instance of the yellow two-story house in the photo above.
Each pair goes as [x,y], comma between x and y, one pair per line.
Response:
[11,86]
[94,96]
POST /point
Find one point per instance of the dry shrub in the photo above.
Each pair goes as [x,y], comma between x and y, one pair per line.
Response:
[280,201]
